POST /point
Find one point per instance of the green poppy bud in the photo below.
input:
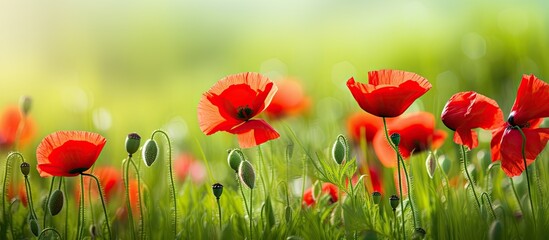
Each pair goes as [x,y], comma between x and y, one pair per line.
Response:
[246,173]
[340,149]
[56,202]
[395,138]
[431,164]
[150,152]
[217,190]
[235,158]
[132,143]
[419,233]
[25,103]
[25,168]
[496,231]
[376,196]
[394,201]
[34,227]
[288,214]
[93,231]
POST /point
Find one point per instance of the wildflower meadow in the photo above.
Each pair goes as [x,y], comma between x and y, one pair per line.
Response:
[274,120]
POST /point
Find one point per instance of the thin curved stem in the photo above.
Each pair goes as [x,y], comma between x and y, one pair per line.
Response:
[395,148]
[102,201]
[140,201]
[219,209]
[243,196]
[125,167]
[471,183]
[81,217]
[172,189]
[48,200]
[484,194]
[409,189]
[29,196]
[516,195]
[527,175]
[5,185]
[47,230]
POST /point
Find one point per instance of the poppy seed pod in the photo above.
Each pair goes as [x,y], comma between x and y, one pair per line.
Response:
[56,201]
[217,189]
[34,227]
[340,149]
[133,140]
[246,173]
[25,103]
[431,164]
[394,201]
[395,138]
[235,158]
[25,168]
[150,152]
[376,196]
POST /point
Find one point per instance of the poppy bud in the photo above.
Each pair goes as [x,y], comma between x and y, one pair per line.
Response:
[496,231]
[25,168]
[288,214]
[235,158]
[246,173]
[317,190]
[395,138]
[340,149]
[25,103]
[376,196]
[394,201]
[217,190]
[431,164]
[93,231]
[132,143]
[419,233]
[150,152]
[56,202]
[34,227]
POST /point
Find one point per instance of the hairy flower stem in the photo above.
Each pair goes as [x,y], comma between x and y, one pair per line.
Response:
[7,217]
[102,201]
[526,170]
[485,195]
[251,213]
[42,234]
[81,217]
[471,183]
[139,199]
[399,177]
[126,167]
[409,189]
[172,185]
[48,200]
[243,197]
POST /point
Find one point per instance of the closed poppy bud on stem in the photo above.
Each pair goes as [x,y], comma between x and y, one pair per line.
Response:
[217,189]
[340,149]
[25,168]
[93,231]
[246,173]
[132,143]
[431,164]
[288,214]
[34,227]
[25,104]
[56,202]
[394,201]
[150,152]
[235,158]
[419,233]
[376,196]
[395,138]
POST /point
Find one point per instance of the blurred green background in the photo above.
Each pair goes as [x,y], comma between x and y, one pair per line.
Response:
[117,67]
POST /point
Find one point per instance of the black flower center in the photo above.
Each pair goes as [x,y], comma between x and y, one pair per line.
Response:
[77,170]
[244,113]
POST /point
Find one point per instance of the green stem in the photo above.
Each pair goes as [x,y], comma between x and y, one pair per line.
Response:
[139,200]
[251,213]
[172,189]
[102,200]
[48,230]
[516,195]
[243,196]
[29,197]
[5,185]
[484,194]
[126,167]
[410,195]
[48,200]
[471,183]
[66,210]
[81,217]
[526,170]
[219,209]
[395,148]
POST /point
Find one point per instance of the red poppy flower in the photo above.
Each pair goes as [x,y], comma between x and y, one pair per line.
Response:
[11,118]
[467,110]
[290,99]
[417,133]
[68,153]
[327,188]
[110,179]
[389,92]
[364,123]
[231,104]
[187,166]
[527,113]
[21,193]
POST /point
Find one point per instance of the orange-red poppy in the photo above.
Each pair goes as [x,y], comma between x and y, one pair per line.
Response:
[21,193]
[360,123]
[187,166]
[467,110]
[110,179]
[389,92]
[417,133]
[290,99]
[231,104]
[327,188]
[528,111]
[9,125]
[68,153]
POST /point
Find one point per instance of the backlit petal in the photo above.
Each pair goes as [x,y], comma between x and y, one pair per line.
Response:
[531,92]
[253,133]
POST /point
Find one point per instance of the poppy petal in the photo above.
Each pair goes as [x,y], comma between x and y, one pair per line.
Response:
[512,161]
[530,93]
[254,132]
[466,136]
[495,144]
